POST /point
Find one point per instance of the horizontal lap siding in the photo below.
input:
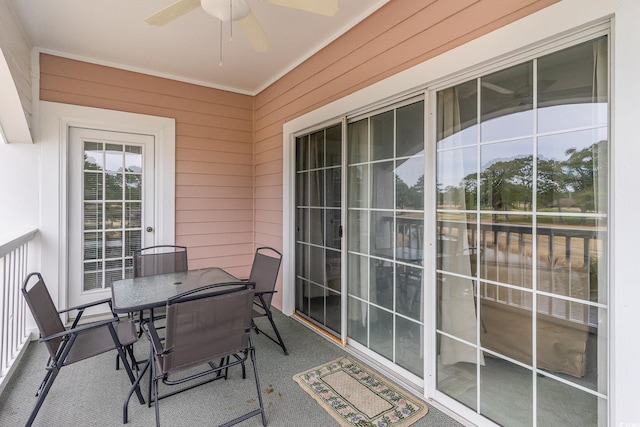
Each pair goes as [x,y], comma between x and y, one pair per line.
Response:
[399,35]
[214,150]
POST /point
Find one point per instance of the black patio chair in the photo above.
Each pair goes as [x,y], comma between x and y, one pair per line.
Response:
[205,324]
[79,342]
[159,259]
[264,273]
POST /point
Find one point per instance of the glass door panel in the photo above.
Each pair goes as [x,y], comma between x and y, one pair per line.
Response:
[112,210]
[111,201]
[319,227]
[521,258]
[385,217]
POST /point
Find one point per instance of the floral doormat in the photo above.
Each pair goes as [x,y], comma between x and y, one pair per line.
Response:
[355,396]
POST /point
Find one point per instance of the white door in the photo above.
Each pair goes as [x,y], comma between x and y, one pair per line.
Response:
[111,208]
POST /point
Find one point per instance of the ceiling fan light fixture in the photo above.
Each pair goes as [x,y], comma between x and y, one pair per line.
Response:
[226,10]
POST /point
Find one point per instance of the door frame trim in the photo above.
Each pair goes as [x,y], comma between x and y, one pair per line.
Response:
[53,135]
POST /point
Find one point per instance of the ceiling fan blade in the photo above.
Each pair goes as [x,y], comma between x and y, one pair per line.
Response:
[254,32]
[321,7]
[173,11]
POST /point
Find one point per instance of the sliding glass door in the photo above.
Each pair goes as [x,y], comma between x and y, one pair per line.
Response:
[521,220]
[517,247]
[385,239]
[385,223]
[319,227]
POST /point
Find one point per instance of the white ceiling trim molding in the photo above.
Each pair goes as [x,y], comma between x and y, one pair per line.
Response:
[139,70]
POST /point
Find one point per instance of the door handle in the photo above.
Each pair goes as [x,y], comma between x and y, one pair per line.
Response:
[149,229]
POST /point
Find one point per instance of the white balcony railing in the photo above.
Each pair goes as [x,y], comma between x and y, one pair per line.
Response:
[14,264]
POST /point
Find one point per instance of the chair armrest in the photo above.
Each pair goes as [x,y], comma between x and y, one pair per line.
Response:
[262,304]
[82,307]
[78,329]
[154,339]
[87,305]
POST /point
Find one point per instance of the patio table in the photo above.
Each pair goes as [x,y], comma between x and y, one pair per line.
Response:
[149,292]
[143,293]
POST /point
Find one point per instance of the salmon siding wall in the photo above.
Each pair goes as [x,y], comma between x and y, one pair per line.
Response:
[229,146]
[214,150]
[401,34]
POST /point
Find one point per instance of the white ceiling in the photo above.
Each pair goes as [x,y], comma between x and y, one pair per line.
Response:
[113,32]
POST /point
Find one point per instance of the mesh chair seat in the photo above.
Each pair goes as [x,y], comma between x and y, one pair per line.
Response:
[97,341]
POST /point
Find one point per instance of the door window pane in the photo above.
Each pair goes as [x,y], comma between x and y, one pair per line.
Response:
[133,186]
[409,179]
[316,226]
[382,183]
[381,283]
[382,136]
[302,153]
[316,150]
[358,142]
[458,380]
[333,146]
[381,332]
[93,156]
[409,345]
[358,186]
[506,177]
[457,113]
[494,392]
[507,103]
[358,239]
[133,218]
[93,186]
[410,130]
[114,184]
[358,320]
[572,171]
[572,87]
[114,157]
[382,236]
[133,158]
[334,314]
[457,184]
[358,284]
[408,291]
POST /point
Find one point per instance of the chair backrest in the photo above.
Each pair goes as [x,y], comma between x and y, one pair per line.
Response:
[205,324]
[43,310]
[264,271]
[159,260]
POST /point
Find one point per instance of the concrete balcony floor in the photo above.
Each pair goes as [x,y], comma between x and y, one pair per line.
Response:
[91,392]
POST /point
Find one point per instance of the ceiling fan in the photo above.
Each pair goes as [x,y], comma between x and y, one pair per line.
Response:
[240,12]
